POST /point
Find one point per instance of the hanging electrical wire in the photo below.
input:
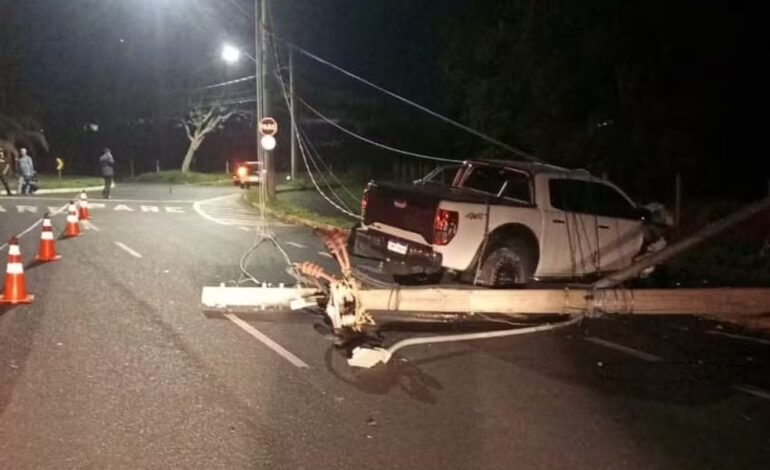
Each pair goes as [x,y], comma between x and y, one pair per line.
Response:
[407,101]
[323,163]
[370,141]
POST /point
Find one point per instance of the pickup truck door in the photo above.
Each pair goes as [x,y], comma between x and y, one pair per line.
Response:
[619,226]
[571,246]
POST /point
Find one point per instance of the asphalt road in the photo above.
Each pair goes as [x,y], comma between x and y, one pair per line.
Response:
[114,366]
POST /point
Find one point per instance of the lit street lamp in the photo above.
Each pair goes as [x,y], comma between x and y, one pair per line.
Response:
[231,54]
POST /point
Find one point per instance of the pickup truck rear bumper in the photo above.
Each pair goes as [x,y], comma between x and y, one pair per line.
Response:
[400,256]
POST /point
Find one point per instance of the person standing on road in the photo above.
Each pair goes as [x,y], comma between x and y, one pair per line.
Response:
[5,168]
[106,163]
[26,172]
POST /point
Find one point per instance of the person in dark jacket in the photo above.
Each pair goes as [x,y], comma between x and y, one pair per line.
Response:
[107,164]
[5,169]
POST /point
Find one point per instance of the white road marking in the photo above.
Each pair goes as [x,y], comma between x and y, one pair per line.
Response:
[296,245]
[753,391]
[645,356]
[32,227]
[197,208]
[90,226]
[134,201]
[174,210]
[264,339]
[128,250]
[741,337]
[149,208]
[122,207]
[30,209]
[245,229]
[325,254]
[2,209]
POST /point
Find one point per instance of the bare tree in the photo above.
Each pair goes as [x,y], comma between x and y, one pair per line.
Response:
[199,122]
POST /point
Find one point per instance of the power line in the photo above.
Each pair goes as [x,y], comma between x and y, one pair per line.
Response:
[370,141]
[229,82]
[435,114]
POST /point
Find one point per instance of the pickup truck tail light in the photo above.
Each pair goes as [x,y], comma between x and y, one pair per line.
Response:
[445,226]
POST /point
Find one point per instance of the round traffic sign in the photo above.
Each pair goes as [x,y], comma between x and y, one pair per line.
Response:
[268,126]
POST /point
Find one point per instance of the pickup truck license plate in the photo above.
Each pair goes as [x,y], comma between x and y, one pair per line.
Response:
[396,247]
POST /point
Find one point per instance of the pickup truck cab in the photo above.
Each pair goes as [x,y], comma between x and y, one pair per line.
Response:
[505,222]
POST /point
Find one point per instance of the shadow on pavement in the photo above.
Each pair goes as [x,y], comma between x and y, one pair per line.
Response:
[382,379]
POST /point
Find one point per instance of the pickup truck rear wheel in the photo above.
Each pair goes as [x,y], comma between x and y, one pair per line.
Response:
[508,263]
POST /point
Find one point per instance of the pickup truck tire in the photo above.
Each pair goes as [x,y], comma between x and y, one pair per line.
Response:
[508,263]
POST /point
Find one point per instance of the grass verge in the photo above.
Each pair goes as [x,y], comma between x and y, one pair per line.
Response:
[293,213]
[66,182]
[177,177]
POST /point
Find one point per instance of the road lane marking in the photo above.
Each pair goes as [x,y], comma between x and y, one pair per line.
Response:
[296,245]
[30,209]
[174,210]
[645,356]
[753,391]
[245,229]
[264,339]
[32,227]
[90,226]
[128,250]
[150,208]
[325,254]
[741,337]
[197,208]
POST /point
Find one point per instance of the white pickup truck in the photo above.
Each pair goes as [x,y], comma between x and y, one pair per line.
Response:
[506,223]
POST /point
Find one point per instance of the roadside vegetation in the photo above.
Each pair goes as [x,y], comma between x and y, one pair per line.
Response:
[179,177]
[74,182]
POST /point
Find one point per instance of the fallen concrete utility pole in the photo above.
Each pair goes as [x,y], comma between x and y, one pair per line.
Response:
[709,231]
[352,307]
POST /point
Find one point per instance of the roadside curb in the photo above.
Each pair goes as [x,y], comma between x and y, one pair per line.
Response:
[293,219]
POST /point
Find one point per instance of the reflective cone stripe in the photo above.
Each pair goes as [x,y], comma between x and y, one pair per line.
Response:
[15,291]
[83,206]
[73,228]
[47,250]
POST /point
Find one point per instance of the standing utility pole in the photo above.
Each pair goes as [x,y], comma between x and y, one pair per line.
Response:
[292,112]
[263,103]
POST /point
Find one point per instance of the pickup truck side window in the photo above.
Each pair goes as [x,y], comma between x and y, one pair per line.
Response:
[589,198]
[518,187]
[486,179]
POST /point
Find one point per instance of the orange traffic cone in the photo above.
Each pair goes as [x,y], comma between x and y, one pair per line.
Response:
[83,206]
[47,250]
[73,227]
[15,286]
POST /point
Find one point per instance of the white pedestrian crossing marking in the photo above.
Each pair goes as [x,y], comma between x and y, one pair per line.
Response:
[296,245]
[22,208]
[30,209]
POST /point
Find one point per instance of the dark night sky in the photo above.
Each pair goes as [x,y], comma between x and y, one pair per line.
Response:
[116,61]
